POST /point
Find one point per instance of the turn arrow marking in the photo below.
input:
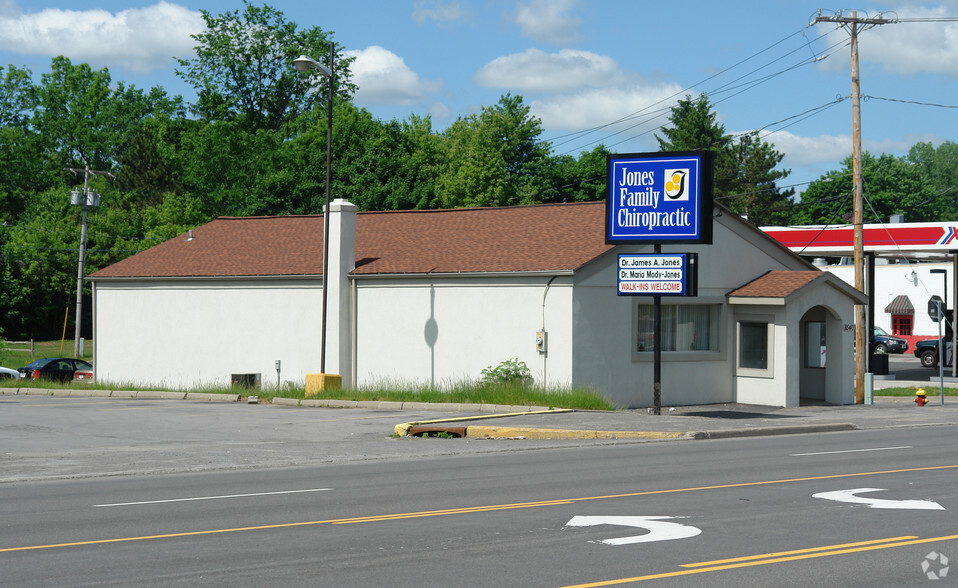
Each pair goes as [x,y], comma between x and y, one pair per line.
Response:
[659,530]
[849,496]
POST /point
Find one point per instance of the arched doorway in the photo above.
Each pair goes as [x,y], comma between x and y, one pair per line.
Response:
[821,358]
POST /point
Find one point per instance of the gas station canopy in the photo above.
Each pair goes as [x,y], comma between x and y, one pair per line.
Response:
[930,241]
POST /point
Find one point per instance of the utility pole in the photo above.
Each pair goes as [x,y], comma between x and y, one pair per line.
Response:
[854,24]
[85,199]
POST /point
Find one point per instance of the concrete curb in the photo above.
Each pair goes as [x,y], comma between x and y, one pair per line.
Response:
[767,431]
[97,393]
[402,429]
[455,428]
[482,432]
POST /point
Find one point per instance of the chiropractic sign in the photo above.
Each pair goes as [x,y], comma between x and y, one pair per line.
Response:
[661,274]
[659,198]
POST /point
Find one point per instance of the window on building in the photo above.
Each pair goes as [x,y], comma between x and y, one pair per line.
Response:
[685,327]
[753,345]
[901,324]
[815,345]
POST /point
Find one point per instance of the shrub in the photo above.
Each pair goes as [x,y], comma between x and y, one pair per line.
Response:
[510,371]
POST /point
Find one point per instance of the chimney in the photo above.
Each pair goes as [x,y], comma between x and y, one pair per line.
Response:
[342,260]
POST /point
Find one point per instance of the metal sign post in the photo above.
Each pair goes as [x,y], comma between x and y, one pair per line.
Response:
[656,198]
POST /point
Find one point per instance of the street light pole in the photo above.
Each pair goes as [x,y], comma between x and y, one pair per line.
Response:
[303,64]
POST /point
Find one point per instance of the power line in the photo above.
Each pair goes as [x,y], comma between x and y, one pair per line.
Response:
[586,132]
[909,102]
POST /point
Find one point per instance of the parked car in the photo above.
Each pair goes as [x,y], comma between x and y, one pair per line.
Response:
[885,343]
[9,373]
[927,352]
[62,369]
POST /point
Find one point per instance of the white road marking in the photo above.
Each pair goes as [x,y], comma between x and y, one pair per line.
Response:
[658,529]
[851,451]
[849,496]
[214,497]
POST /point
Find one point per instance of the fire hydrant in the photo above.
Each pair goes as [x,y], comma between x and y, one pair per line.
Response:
[920,397]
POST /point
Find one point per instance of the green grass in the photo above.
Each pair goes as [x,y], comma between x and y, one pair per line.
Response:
[471,393]
[581,399]
[19,354]
[932,389]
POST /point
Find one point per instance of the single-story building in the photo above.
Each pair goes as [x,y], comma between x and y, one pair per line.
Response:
[437,296]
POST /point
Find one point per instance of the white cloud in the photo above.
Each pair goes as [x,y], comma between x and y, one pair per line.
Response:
[645,106]
[538,71]
[440,111]
[8,8]
[549,21]
[137,40]
[438,12]
[800,150]
[384,78]
[914,47]
[833,149]
[905,47]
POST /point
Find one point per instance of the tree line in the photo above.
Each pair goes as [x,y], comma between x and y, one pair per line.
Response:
[254,143]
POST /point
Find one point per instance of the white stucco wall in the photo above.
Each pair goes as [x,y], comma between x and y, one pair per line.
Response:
[604,323]
[445,330]
[188,333]
[769,388]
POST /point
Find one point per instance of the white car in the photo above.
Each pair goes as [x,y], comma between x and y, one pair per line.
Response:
[9,373]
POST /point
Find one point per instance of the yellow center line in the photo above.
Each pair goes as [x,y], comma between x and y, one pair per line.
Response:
[796,551]
[467,510]
[766,482]
[772,560]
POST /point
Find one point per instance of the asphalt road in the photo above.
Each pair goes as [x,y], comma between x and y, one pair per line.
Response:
[414,512]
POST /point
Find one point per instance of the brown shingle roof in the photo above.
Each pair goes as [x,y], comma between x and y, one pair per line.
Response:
[553,237]
[777,284]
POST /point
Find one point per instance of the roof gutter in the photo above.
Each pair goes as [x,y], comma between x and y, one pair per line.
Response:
[195,278]
[521,274]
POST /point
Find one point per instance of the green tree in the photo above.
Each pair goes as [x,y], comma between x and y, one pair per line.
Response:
[244,68]
[939,169]
[85,119]
[143,168]
[22,168]
[891,185]
[753,191]
[17,97]
[225,164]
[41,254]
[745,174]
[563,178]
[491,157]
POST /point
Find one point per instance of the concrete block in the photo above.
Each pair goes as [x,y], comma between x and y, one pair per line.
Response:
[159,395]
[317,384]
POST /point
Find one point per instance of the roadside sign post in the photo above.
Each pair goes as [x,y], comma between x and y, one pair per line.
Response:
[657,198]
[937,313]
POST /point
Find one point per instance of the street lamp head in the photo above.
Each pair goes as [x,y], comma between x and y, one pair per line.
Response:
[304,63]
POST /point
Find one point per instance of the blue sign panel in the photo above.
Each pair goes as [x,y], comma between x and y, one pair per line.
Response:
[659,198]
[658,274]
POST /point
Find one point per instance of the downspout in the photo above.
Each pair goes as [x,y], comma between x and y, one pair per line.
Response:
[353,314]
[545,355]
[94,313]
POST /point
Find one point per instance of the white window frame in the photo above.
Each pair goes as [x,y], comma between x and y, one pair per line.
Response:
[769,371]
[719,326]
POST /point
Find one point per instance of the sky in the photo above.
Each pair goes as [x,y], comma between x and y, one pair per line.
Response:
[593,71]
